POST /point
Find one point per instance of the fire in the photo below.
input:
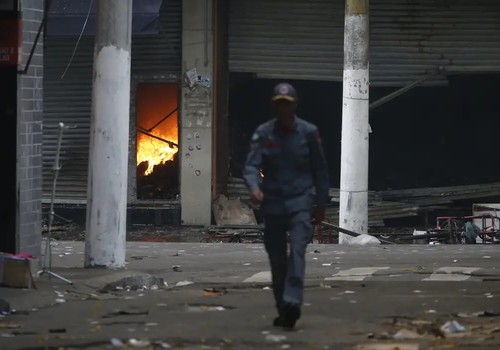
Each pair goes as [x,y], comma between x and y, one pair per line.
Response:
[157,115]
[154,151]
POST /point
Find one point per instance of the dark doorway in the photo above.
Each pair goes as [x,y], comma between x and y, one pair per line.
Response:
[437,136]
[8,143]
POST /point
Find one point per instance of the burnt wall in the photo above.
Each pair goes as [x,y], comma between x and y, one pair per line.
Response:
[430,136]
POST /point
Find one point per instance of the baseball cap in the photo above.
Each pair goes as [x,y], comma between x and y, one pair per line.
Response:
[284,91]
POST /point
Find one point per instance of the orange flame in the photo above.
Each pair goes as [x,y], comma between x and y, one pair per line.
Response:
[154,151]
[154,102]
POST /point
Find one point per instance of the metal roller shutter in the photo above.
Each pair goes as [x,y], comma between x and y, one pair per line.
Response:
[409,38]
[285,39]
[412,38]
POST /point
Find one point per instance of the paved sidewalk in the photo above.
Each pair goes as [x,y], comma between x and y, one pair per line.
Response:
[354,296]
[236,263]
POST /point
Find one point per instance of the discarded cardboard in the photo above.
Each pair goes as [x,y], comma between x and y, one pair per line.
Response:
[15,272]
[232,212]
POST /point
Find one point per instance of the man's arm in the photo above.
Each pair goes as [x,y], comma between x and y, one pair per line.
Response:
[320,170]
[251,172]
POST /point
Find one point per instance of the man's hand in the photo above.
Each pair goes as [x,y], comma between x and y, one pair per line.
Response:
[318,214]
[256,196]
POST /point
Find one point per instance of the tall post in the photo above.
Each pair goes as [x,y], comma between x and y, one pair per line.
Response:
[108,157]
[355,123]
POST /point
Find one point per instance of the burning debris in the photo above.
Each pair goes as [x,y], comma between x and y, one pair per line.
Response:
[161,183]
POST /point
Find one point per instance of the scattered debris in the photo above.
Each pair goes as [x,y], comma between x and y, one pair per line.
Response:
[125,313]
[363,240]
[388,346]
[7,335]
[183,283]
[135,343]
[127,322]
[212,292]
[134,282]
[275,338]
[316,251]
[4,307]
[16,333]
[57,330]
[405,334]
[138,257]
[478,314]
[117,342]
[208,307]
[9,325]
[431,311]
[452,327]
[177,268]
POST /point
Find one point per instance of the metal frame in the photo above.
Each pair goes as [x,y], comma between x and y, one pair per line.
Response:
[46,262]
[403,90]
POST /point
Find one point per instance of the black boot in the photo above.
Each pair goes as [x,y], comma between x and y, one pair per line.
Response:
[278,322]
[289,315]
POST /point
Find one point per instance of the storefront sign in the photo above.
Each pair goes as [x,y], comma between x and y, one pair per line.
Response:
[10,41]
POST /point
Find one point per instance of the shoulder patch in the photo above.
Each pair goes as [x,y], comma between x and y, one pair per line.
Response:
[255,137]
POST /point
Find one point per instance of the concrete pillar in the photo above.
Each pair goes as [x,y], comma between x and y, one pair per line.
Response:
[108,158]
[355,123]
[196,113]
[29,133]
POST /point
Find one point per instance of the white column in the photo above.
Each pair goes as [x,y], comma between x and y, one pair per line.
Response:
[355,123]
[108,158]
[196,113]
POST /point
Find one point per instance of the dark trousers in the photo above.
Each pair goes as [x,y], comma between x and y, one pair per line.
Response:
[288,270]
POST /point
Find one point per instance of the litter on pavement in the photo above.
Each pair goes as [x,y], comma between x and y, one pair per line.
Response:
[452,327]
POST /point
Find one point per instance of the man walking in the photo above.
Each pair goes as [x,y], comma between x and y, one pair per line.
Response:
[293,191]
